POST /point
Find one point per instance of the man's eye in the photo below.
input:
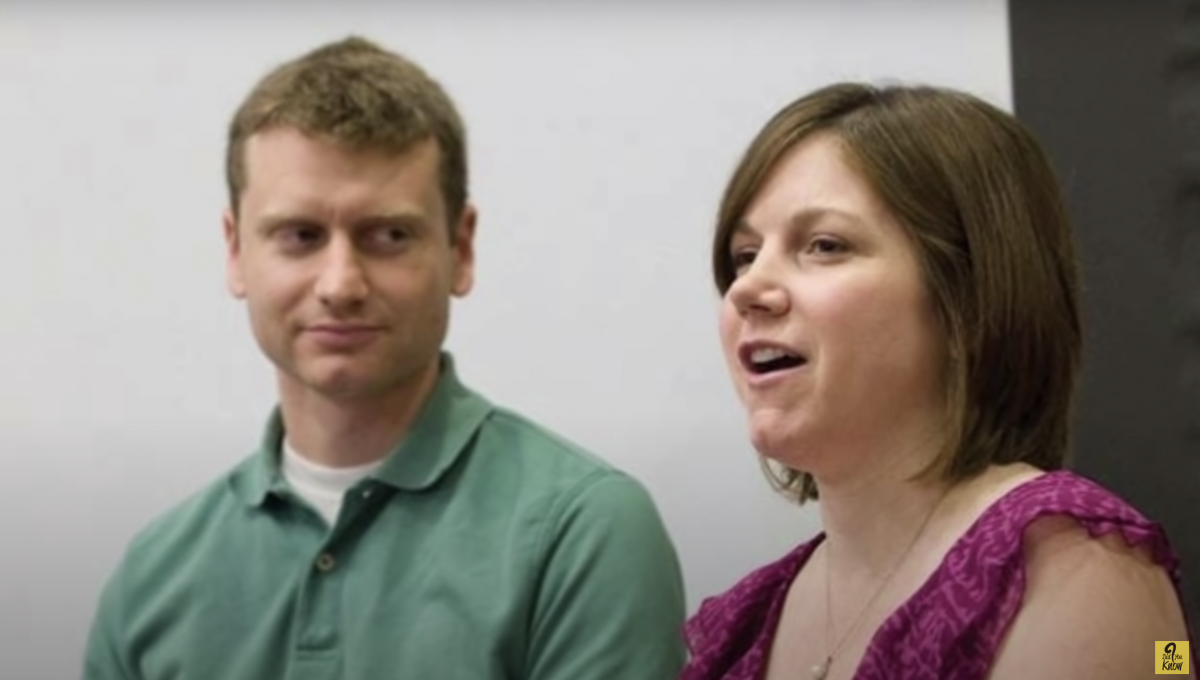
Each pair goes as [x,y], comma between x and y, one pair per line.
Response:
[299,236]
[389,236]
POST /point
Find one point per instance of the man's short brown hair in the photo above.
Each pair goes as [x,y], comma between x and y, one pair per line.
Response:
[364,98]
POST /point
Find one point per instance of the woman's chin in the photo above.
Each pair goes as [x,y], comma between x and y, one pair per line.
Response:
[784,437]
[775,443]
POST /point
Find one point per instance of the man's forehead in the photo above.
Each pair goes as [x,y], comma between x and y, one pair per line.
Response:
[274,136]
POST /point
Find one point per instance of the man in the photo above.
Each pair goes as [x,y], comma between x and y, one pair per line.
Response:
[392,523]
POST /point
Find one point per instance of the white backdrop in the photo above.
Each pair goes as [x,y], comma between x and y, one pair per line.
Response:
[601,140]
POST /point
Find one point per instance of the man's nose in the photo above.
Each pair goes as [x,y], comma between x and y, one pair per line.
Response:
[343,279]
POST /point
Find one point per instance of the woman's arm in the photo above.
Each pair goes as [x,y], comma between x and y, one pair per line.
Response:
[1093,609]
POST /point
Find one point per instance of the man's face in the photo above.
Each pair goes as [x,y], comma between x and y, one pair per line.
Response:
[346,263]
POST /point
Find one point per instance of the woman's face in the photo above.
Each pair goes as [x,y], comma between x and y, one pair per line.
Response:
[827,329]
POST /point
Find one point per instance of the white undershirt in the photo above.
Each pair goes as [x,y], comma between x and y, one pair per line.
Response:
[321,486]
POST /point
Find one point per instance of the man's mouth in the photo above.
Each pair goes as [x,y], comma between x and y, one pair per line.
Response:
[343,336]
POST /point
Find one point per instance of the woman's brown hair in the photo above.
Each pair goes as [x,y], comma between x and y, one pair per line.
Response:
[981,203]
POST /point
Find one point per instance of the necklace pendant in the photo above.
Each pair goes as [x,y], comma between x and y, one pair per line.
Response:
[820,670]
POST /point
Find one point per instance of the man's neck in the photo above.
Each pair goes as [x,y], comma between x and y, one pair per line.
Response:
[346,432]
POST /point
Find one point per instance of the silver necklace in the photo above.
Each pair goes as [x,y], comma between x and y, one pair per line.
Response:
[821,670]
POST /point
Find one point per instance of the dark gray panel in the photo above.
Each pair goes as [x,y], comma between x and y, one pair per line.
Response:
[1104,84]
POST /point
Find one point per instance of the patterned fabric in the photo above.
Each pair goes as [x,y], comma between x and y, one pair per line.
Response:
[953,624]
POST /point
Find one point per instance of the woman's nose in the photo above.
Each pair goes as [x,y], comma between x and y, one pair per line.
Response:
[757,290]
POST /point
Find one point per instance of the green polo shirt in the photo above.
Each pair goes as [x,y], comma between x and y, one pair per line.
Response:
[484,547]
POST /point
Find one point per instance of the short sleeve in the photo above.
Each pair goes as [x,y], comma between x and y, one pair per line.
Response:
[610,600]
[105,654]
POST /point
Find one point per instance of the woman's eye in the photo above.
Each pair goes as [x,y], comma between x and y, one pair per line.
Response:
[826,246]
[742,259]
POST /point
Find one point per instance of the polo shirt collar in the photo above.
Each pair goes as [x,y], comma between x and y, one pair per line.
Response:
[443,428]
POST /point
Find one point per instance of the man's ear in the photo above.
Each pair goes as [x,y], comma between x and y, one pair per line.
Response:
[464,252]
[233,252]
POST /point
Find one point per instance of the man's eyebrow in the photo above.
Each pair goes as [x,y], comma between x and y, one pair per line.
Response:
[392,219]
[271,221]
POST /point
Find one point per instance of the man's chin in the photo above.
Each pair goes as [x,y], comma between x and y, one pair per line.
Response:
[342,380]
[339,392]
[335,385]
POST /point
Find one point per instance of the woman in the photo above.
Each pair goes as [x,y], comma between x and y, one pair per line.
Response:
[900,319]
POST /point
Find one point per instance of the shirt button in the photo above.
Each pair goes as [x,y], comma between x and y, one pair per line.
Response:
[325,562]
